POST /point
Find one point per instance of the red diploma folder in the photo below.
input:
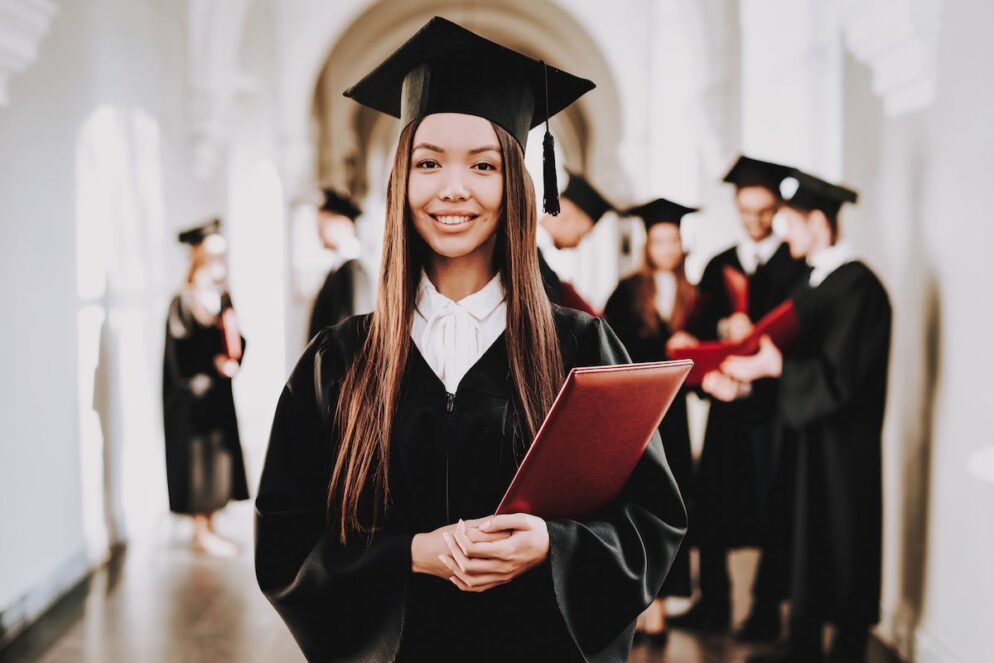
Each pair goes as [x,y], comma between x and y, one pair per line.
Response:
[229,334]
[596,432]
[737,287]
[780,325]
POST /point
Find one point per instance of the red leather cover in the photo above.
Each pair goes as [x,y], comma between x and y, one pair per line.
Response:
[230,335]
[737,287]
[592,439]
[780,325]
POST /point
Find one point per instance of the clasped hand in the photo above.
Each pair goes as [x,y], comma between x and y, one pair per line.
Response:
[477,555]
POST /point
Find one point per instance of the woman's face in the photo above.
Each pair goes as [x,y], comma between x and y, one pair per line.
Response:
[213,269]
[665,248]
[455,189]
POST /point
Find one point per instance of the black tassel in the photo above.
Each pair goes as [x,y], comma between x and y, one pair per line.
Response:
[550,195]
[550,200]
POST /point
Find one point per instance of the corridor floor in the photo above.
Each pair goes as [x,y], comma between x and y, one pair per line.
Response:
[159,602]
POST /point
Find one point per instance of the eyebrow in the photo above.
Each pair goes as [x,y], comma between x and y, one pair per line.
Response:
[478,150]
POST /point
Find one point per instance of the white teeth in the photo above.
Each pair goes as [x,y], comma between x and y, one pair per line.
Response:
[452,220]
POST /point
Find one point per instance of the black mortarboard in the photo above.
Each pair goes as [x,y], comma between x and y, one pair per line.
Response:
[808,192]
[336,203]
[194,236]
[752,172]
[660,210]
[445,68]
[586,197]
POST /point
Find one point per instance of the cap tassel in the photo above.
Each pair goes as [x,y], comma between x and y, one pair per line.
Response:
[550,187]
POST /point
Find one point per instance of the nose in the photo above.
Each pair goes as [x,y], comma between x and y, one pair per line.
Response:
[454,185]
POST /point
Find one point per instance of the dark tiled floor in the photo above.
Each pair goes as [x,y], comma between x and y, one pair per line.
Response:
[160,602]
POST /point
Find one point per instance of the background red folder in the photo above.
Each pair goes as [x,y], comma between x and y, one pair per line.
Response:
[592,439]
[229,333]
[737,287]
[780,325]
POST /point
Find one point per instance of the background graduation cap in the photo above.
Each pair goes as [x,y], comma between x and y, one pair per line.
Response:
[445,68]
[586,197]
[747,171]
[807,192]
[660,210]
[196,235]
[336,203]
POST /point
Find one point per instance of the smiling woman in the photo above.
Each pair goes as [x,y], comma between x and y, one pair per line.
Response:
[398,432]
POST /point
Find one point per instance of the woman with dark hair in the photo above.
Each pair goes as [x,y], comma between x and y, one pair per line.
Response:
[399,431]
[649,310]
[204,467]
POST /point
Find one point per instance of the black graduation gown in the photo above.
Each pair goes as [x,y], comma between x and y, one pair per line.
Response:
[738,460]
[832,397]
[620,312]
[335,300]
[204,464]
[550,280]
[361,602]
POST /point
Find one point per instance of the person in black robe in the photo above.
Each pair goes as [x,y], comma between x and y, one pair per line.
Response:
[646,310]
[348,288]
[833,384]
[379,544]
[581,207]
[204,465]
[738,473]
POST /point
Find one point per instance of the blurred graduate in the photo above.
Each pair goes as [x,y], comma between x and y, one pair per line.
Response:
[833,383]
[399,431]
[647,310]
[349,288]
[581,207]
[204,466]
[738,472]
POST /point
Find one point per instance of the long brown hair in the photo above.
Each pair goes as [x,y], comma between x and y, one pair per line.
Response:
[645,297]
[371,387]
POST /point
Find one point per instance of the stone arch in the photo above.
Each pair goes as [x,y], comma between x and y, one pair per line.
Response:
[588,132]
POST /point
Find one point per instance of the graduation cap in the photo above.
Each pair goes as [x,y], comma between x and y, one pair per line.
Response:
[445,68]
[752,172]
[807,192]
[661,210]
[194,236]
[336,203]
[586,197]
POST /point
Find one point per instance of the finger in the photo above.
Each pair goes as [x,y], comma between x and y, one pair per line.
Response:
[455,550]
[476,536]
[474,580]
[478,586]
[500,550]
[466,588]
[462,540]
[508,521]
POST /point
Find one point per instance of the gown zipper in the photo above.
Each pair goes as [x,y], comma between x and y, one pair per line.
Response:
[450,404]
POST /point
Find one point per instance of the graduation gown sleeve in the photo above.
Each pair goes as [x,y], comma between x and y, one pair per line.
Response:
[341,602]
[605,571]
[845,330]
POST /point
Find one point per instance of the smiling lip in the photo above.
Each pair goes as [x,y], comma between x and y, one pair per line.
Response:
[452,218]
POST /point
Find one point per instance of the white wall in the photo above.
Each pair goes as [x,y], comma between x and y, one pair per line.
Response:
[128,57]
[926,224]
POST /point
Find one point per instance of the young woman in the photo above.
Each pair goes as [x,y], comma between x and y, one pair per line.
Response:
[648,310]
[399,431]
[204,467]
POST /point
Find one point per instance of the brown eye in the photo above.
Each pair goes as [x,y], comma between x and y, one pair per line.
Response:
[427,164]
[483,165]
